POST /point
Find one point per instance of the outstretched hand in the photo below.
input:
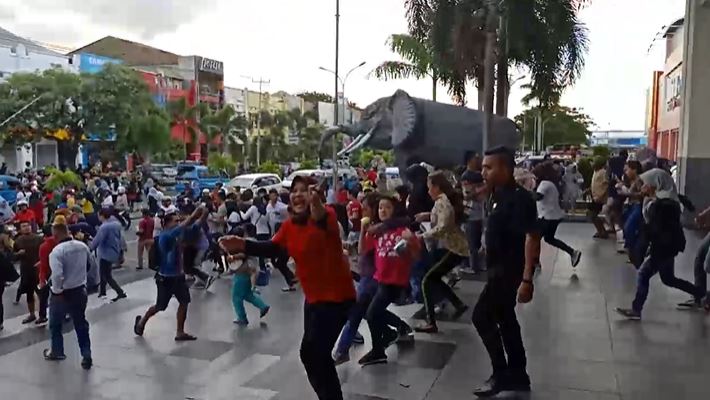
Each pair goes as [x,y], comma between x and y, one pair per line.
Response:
[232,244]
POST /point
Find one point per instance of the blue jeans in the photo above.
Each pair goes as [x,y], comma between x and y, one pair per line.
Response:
[702,264]
[632,225]
[241,292]
[72,302]
[366,289]
[419,269]
[665,268]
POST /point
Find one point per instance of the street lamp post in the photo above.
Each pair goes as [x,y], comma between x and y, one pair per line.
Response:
[336,114]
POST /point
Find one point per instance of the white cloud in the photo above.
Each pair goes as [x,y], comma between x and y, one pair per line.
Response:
[287,40]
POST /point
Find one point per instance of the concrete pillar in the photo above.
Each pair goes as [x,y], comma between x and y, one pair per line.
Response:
[694,141]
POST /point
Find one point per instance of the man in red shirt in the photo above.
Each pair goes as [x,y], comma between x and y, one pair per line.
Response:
[25,214]
[145,235]
[44,272]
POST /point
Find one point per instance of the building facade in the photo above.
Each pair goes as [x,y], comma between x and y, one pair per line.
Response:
[664,97]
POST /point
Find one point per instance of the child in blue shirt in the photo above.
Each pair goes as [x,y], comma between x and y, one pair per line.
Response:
[245,271]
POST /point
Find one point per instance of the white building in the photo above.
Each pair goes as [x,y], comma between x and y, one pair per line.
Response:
[237,98]
[18,54]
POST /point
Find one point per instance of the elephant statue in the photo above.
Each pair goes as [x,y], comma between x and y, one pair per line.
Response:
[421,130]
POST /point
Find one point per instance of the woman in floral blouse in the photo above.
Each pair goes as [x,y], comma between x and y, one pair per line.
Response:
[450,246]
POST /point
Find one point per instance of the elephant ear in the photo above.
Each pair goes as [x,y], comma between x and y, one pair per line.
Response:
[404,117]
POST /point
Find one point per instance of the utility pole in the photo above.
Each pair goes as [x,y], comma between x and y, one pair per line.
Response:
[335,98]
[261,81]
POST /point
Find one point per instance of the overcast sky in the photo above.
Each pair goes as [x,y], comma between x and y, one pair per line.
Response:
[286,41]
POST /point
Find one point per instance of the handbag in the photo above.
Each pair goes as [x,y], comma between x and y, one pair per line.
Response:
[263,277]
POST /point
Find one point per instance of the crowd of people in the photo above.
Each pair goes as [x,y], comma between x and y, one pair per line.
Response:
[357,248]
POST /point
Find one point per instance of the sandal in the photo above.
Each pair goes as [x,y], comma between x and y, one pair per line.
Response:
[185,338]
[52,357]
[428,328]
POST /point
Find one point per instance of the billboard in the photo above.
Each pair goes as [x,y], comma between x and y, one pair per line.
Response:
[93,63]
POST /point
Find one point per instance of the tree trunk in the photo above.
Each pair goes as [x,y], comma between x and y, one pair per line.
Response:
[488,87]
[480,79]
[67,151]
[502,84]
[434,82]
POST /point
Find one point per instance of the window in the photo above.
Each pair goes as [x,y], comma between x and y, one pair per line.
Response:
[13,50]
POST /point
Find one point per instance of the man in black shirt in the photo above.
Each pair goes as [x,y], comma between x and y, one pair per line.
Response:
[512,246]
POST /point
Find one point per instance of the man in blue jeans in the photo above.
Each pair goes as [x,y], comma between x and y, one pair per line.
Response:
[701,267]
[73,269]
[107,244]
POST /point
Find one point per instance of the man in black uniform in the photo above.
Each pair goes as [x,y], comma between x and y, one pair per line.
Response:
[512,246]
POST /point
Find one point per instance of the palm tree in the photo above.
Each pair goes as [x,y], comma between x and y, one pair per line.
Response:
[224,125]
[543,36]
[186,116]
[419,62]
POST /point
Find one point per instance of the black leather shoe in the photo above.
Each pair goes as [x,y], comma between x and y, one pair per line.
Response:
[87,363]
[518,382]
[490,388]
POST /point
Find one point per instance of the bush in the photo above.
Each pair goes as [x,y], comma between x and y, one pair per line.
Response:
[601,151]
[269,167]
[217,163]
[307,164]
[62,179]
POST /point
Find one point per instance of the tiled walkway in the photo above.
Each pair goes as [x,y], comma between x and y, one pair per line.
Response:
[577,347]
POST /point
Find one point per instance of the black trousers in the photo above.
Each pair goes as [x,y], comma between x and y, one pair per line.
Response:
[2,309]
[377,314]
[433,285]
[107,278]
[497,325]
[280,263]
[322,323]
[549,229]
[43,295]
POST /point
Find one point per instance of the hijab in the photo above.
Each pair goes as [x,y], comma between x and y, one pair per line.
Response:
[664,185]
[6,213]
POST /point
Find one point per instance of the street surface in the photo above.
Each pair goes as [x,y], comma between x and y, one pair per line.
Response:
[578,348]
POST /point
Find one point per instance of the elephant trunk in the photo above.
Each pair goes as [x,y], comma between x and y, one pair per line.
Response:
[332,131]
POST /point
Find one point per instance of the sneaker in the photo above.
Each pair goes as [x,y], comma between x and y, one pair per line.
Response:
[406,334]
[29,319]
[576,257]
[341,358]
[210,281]
[428,328]
[287,289]
[265,311]
[390,337]
[629,313]
[358,338]
[241,322]
[372,358]
[53,357]
[119,297]
[490,388]
[691,304]
[87,363]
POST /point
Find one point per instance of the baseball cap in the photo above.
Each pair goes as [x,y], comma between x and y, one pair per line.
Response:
[22,202]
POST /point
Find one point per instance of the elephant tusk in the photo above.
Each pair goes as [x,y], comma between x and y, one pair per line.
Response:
[352,143]
[359,142]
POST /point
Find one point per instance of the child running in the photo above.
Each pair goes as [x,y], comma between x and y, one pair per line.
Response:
[243,283]
[396,248]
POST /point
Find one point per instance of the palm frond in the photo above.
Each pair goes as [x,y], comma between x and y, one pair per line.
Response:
[418,14]
[397,70]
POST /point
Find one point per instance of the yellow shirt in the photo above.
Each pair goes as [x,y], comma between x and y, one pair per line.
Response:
[86,207]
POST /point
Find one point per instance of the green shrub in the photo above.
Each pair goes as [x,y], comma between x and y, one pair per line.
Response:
[62,179]
[217,162]
[269,167]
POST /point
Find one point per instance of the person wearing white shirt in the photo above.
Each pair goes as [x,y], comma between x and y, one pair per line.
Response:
[549,212]
[276,211]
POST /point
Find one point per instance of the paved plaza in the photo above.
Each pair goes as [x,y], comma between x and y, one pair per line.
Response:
[578,348]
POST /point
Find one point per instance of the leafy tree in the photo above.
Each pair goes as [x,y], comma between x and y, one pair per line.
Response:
[69,107]
[217,163]
[419,61]
[186,116]
[564,125]
[544,37]
[307,164]
[315,97]
[269,167]
[147,135]
[174,150]
[59,179]
[601,151]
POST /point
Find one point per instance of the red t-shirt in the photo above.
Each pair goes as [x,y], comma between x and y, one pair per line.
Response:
[342,197]
[26,216]
[146,226]
[390,267]
[44,249]
[355,214]
[321,267]
[372,176]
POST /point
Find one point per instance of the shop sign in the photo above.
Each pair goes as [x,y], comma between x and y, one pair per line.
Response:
[209,65]
[673,90]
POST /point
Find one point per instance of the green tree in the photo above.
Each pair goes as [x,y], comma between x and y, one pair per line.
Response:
[269,167]
[174,150]
[218,163]
[419,61]
[563,125]
[544,37]
[185,117]
[69,107]
[147,135]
